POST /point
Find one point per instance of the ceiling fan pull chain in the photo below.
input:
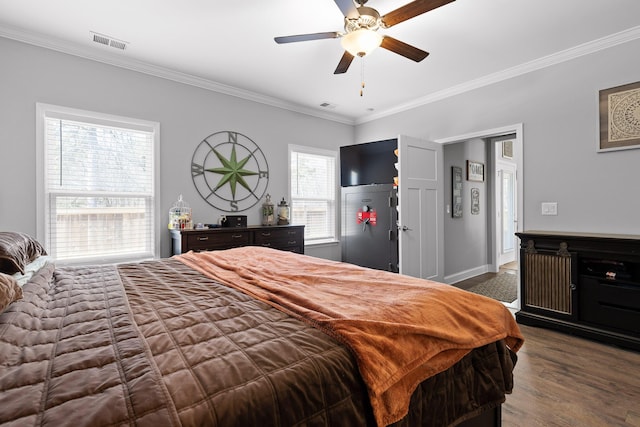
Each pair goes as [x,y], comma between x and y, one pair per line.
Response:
[362,74]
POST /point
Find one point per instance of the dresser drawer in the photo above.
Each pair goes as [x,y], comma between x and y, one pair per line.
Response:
[611,303]
[206,241]
[288,238]
[279,237]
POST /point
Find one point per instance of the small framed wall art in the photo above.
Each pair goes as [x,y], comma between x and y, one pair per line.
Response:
[507,149]
[475,201]
[620,117]
[456,191]
[475,171]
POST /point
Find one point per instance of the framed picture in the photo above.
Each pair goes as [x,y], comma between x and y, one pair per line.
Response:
[620,117]
[456,191]
[507,149]
[475,171]
[475,201]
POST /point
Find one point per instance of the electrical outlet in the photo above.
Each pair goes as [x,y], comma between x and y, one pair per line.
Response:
[549,208]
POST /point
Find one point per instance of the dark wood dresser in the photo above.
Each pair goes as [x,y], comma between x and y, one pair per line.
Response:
[283,237]
[585,284]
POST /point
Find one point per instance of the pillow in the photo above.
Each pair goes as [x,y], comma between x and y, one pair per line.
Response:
[32,268]
[9,291]
[17,250]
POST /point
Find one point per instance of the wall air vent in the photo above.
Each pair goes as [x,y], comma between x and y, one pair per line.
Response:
[109,41]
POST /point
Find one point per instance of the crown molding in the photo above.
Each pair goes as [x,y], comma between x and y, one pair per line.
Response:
[164,73]
[537,64]
[168,74]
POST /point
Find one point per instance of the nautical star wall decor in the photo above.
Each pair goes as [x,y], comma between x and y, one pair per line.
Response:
[229,171]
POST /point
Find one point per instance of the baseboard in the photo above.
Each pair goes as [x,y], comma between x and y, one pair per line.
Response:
[467,274]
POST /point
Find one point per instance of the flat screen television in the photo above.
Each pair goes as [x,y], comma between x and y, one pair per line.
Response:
[369,163]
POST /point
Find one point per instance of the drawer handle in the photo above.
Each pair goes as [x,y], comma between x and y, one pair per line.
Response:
[236,236]
[292,242]
[291,232]
[266,234]
[266,244]
[204,238]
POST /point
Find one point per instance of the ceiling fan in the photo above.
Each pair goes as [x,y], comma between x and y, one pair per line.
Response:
[361,24]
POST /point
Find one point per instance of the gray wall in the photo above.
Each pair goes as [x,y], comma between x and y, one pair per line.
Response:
[465,243]
[558,105]
[596,192]
[186,115]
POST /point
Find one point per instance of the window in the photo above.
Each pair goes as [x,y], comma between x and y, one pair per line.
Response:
[313,192]
[96,186]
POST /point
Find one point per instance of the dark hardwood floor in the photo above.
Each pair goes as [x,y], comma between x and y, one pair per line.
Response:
[567,381]
[563,380]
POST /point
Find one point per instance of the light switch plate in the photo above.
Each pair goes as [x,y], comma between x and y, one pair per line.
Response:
[549,208]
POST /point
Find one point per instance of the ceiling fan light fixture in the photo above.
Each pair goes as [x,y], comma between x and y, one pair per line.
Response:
[361,42]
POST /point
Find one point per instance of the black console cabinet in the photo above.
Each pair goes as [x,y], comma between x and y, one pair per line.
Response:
[585,284]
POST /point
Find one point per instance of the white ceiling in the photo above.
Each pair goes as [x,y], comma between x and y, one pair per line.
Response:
[228,46]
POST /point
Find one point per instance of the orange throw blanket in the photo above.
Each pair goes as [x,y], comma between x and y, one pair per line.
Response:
[401,329]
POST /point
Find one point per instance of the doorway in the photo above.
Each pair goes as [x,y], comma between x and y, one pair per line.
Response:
[502,249]
[508,215]
[506,196]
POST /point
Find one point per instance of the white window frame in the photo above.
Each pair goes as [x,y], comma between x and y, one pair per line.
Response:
[44,111]
[336,216]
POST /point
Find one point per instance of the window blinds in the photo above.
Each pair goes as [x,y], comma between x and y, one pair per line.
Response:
[100,191]
[313,194]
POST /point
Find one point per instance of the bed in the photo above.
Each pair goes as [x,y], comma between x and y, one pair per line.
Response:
[242,337]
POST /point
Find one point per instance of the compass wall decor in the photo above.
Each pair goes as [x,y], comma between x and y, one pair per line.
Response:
[229,171]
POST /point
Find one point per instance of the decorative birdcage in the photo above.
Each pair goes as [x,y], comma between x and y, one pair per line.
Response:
[180,216]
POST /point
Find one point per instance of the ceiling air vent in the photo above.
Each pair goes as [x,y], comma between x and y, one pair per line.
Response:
[118,44]
[109,41]
[328,105]
[100,39]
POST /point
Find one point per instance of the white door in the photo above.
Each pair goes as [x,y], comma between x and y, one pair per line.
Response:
[420,201]
[506,198]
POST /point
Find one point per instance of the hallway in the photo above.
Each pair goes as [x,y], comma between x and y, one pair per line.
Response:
[509,268]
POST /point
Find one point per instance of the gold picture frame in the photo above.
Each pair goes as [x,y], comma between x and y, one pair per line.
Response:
[619,109]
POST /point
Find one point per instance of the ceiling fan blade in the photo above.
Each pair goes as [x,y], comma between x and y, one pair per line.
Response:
[344,63]
[307,37]
[348,8]
[401,48]
[411,10]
